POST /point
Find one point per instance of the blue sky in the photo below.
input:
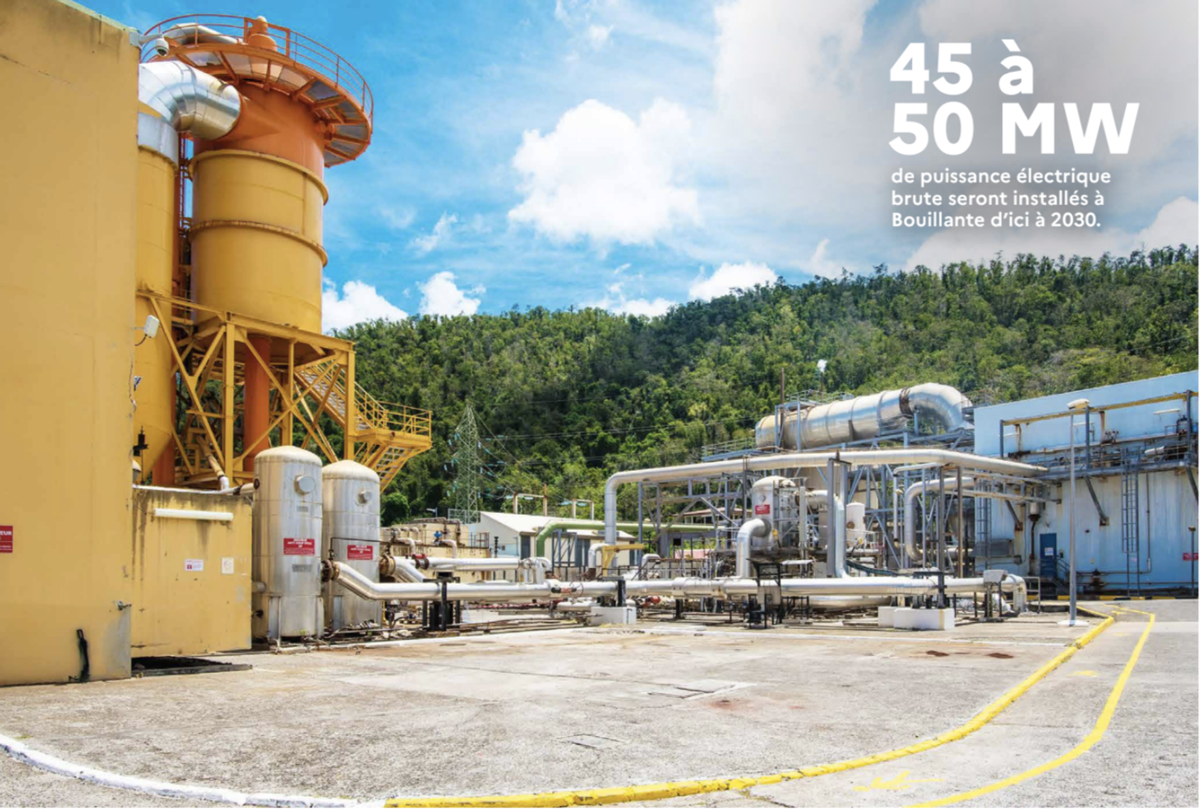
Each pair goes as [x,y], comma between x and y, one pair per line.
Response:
[632,155]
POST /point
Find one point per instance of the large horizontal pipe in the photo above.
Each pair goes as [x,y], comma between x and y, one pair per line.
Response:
[800,460]
[567,524]
[553,590]
[865,417]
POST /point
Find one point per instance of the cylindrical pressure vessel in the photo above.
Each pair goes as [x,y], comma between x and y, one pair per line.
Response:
[773,500]
[287,544]
[256,237]
[350,530]
[157,222]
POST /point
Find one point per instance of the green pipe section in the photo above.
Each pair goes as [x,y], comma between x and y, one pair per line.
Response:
[568,523]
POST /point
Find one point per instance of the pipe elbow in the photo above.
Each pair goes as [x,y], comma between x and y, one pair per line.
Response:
[944,404]
[189,100]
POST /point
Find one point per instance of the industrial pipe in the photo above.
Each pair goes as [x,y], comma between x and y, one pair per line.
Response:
[864,417]
[400,568]
[189,100]
[910,510]
[566,523]
[396,539]
[552,589]
[806,460]
[751,528]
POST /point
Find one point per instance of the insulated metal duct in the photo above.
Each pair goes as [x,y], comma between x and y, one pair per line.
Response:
[188,100]
[865,417]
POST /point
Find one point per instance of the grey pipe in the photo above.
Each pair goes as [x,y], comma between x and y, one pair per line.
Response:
[399,567]
[800,460]
[750,528]
[189,100]
[865,417]
[550,590]
[195,32]
[910,512]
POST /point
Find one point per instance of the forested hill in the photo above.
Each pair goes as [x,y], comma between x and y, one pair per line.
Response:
[569,396]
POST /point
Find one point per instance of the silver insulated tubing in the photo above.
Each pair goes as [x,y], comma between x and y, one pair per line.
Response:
[865,417]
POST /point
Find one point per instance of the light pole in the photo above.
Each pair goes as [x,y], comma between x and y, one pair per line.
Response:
[1074,407]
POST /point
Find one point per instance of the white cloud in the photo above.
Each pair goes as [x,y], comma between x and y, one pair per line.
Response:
[597,35]
[821,264]
[358,303]
[730,277]
[1175,224]
[616,302]
[438,236]
[397,218]
[440,295]
[604,176]
[804,107]
[1111,67]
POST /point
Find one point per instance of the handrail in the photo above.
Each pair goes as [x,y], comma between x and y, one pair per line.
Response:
[293,45]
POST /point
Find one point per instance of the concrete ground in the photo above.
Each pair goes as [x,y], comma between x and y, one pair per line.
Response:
[609,707]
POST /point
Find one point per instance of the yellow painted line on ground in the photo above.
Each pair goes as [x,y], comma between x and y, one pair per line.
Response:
[675,789]
[1097,733]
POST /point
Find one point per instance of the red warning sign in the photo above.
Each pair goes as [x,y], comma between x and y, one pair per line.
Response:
[762,508]
[299,547]
[6,539]
[364,553]
[1187,557]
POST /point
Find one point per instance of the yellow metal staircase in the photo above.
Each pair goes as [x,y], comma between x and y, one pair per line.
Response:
[386,436]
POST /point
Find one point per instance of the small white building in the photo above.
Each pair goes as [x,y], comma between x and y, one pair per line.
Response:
[1135,525]
[511,534]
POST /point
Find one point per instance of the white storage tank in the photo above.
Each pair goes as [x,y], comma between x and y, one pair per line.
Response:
[287,544]
[350,531]
[775,500]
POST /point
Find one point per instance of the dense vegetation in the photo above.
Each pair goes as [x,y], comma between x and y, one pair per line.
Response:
[569,396]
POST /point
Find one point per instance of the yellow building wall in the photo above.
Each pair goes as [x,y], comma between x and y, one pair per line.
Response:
[191,578]
[68,165]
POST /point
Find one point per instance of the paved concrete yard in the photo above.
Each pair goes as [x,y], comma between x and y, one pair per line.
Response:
[609,707]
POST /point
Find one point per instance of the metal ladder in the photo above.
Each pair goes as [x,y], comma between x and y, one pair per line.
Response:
[1130,535]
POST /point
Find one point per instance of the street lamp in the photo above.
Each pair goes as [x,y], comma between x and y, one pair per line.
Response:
[1075,407]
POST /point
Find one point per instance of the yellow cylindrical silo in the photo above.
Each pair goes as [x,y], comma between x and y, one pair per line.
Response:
[256,236]
[156,226]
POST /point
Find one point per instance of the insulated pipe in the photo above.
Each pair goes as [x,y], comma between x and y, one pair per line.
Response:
[864,417]
[801,460]
[395,538]
[493,563]
[910,511]
[189,100]
[400,568]
[750,528]
[363,587]
[565,524]
[448,543]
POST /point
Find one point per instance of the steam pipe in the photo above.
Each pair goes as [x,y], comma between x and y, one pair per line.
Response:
[400,568]
[189,100]
[910,511]
[800,460]
[865,417]
[552,590]
[751,528]
[566,523]
[396,539]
